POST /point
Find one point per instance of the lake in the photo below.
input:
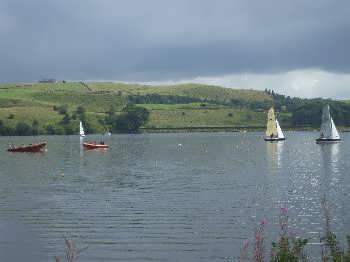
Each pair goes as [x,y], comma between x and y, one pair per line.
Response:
[149,199]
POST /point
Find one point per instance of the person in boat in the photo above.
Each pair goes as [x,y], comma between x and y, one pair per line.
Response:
[322,136]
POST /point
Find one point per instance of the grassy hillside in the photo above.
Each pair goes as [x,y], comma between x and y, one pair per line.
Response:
[204,106]
[195,116]
[188,90]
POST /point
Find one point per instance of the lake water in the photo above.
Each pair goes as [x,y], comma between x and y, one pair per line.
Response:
[149,199]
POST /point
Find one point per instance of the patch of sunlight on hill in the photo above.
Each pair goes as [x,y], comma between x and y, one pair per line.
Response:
[187,118]
[189,90]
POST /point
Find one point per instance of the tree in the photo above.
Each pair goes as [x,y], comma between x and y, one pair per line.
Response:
[131,119]
[6,130]
[81,110]
[66,119]
[50,129]
[81,113]
[35,127]
[63,109]
[23,129]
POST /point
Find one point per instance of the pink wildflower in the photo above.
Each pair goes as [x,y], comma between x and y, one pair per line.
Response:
[284,211]
[245,243]
[259,244]
[273,253]
[244,251]
[258,236]
[263,222]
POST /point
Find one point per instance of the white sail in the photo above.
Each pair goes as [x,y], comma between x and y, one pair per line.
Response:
[326,125]
[279,130]
[328,128]
[81,129]
[271,128]
[335,134]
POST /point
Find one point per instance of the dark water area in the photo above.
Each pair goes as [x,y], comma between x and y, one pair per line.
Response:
[149,199]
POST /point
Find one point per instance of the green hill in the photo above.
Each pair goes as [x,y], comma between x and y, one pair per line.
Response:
[177,106]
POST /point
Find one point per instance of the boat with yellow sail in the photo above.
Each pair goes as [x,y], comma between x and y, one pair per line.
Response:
[273,128]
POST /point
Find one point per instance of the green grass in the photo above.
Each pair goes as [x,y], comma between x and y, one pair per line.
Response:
[36,101]
[189,90]
[181,117]
[45,115]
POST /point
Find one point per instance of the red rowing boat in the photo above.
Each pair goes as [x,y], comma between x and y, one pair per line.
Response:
[33,148]
[94,146]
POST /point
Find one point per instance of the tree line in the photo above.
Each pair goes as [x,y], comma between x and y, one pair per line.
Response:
[130,119]
[176,99]
[300,112]
[308,112]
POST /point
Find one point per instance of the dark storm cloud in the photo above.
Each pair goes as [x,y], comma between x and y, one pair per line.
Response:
[158,39]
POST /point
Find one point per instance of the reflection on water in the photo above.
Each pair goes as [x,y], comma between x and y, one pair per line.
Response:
[274,154]
[330,169]
[144,199]
[330,156]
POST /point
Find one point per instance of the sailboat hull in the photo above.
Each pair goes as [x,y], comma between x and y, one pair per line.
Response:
[327,140]
[272,139]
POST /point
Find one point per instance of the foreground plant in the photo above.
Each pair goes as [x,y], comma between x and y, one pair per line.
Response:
[331,250]
[71,251]
[259,250]
[244,251]
[288,248]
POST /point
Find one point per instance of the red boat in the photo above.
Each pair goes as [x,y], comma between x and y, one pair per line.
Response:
[33,148]
[94,146]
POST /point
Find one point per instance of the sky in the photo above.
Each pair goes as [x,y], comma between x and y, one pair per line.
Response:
[298,48]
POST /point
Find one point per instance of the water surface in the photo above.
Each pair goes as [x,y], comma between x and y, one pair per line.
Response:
[149,199]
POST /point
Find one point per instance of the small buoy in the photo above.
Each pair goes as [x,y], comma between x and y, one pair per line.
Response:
[62,174]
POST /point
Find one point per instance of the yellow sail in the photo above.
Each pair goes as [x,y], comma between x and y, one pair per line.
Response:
[271,130]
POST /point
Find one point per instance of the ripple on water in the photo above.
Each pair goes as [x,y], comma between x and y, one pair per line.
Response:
[146,200]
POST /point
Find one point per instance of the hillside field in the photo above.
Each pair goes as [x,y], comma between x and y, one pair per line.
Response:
[204,106]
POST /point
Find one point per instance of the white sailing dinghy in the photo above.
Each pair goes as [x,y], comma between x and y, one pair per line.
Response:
[273,130]
[81,130]
[328,132]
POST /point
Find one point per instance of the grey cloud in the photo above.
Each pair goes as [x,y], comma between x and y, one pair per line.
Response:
[159,39]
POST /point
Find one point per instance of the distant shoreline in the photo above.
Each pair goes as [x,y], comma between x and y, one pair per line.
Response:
[187,130]
[229,129]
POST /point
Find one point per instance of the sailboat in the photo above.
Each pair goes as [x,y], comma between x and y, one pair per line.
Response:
[273,130]
[81,130]
[328,132]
